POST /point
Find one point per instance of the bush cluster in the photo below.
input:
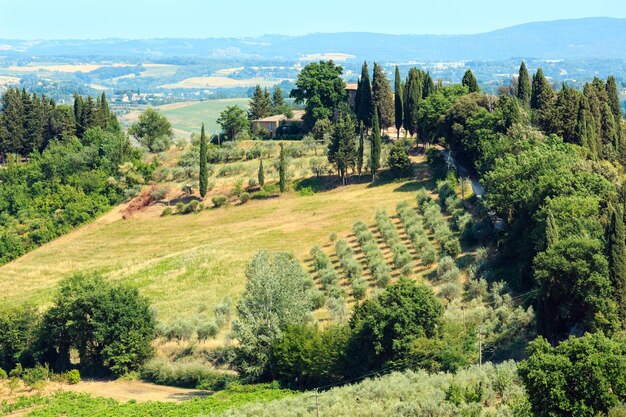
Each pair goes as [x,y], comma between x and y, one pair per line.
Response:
[352,268]
[373,255]
[434,220]
[185,374]
[193,206]
[462,220]
[327,275]
[415,229]
[401,256]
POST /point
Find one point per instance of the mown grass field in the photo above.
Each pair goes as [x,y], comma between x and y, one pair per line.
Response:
[187,117]
[184,262]
[190,117]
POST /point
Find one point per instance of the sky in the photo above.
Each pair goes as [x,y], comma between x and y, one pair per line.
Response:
[135,19]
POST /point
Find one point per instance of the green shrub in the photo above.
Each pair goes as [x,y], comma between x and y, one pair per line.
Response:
[359,289]
[185,374]
[218,200]
[3,374]
[317,297]
[72,377]
[180,206]
[244,198]
[222,312]
[428,255]
[17,371]
[452,247]
[36,377]
[207,330]
[306,191]
[167,211]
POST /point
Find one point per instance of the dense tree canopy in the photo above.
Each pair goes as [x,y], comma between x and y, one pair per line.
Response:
[110,326]
[153,130]
[320,87]
[233,121]
[580,377]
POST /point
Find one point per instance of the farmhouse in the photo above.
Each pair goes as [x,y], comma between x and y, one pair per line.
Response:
[272,123]
[351,91]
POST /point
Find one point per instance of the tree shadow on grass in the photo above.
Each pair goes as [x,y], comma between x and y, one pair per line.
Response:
[184,396]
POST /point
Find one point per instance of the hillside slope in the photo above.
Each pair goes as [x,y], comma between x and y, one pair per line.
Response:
[185,261]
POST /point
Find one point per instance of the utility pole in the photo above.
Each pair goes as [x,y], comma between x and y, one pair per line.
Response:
[480,349]
[317,404]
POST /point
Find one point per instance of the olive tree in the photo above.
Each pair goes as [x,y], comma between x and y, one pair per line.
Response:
[276,296]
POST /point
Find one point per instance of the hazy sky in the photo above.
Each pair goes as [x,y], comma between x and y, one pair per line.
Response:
[57,19]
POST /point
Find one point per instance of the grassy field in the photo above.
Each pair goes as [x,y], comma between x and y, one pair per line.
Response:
[184,262]
[187,117]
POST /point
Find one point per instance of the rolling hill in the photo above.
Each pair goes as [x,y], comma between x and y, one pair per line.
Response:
[562,39]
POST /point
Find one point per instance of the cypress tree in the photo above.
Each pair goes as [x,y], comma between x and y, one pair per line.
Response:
[282,168]
[469,81]
[365,98]
[429,86]
[542,94]
[552,231]
[412,100]
[524,90]
[260,104]
[204,169]
[342,149]
[261,174]
[609,130]
[382,98]
[375,147]
[613,97]
[617,258]
[78,114]
[398,101]
[357,98]
[361,150]
[542,100]
[585,131]
[104,113]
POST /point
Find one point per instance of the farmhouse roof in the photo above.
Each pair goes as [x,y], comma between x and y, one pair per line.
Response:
[351,86]
[297,116]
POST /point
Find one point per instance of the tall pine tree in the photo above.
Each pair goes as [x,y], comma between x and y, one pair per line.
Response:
[469,81]
[524,90]
[398,101]
[375,148]
[279,105]
[382,98]
[260,104]
[204,169]
[365,98]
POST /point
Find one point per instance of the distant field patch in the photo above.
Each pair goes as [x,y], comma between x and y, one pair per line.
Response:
[335,56]
[61,68]
[229,71]
[6,80]
[219,82]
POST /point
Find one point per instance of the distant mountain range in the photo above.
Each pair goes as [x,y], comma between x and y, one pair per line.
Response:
[590,38]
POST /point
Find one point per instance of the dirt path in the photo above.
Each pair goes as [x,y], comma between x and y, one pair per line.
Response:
[118,390]
[135,390]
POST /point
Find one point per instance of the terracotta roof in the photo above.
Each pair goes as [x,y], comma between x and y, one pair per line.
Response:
[297,116]
[351,86]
